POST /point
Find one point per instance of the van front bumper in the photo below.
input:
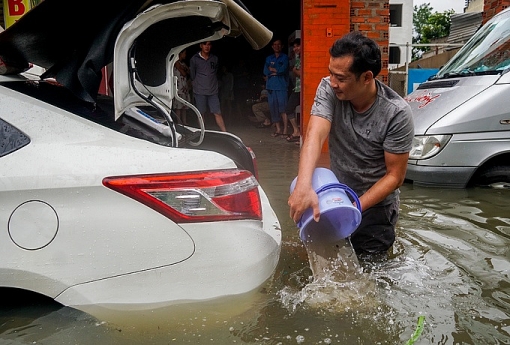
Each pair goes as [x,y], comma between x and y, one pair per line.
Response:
[443,177]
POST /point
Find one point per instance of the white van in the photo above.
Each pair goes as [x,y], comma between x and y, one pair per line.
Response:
[462,115]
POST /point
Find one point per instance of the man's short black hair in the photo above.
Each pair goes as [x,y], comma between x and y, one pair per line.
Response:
[365,52]
[297,41]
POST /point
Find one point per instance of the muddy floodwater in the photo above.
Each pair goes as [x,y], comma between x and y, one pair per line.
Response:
[450,265]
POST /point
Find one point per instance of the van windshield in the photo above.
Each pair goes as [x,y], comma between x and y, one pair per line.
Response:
[487,52]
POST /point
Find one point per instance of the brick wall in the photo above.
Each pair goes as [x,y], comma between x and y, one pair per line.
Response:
[491,7]
[372,18]
[325,21]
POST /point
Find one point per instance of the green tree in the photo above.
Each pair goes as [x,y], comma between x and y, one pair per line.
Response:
[428,26]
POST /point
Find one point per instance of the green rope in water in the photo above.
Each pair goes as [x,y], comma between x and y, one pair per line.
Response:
[417,332]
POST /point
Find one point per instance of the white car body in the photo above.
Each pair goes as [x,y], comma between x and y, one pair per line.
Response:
[66,235]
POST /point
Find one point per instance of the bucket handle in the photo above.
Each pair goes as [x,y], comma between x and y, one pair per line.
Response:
[344,187]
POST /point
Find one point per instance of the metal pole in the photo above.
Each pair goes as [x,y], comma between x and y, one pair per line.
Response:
[406,80]
[454,45]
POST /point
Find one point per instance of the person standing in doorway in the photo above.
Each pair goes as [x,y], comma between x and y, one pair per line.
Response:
[204,78]
[370,130]
[276,71]
[295,96]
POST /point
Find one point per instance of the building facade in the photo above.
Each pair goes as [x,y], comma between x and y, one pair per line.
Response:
[401,32]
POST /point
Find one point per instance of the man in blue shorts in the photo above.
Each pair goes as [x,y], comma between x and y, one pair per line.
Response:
[370,130]
[276,70]
[204,78]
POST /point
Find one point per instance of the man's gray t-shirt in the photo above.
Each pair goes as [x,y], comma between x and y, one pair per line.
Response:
[357,141]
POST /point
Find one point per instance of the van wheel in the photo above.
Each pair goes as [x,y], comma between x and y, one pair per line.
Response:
[495,177]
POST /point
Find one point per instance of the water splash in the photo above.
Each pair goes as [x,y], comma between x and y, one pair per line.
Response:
[337,284]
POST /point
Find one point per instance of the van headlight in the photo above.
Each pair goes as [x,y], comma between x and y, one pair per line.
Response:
[426,146]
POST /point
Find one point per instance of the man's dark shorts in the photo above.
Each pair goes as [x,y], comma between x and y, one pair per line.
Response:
[211,102]
[376,232]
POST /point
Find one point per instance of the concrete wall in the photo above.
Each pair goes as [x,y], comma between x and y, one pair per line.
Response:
[403,34]
[475,6]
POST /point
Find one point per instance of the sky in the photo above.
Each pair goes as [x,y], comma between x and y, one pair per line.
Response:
[443,5]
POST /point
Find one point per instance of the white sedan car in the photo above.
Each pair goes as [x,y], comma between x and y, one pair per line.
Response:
[107,201]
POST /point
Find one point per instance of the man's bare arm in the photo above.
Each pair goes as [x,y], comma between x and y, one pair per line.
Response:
[303,195]
[396,166]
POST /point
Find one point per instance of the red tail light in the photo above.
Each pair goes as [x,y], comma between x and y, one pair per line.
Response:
[194,196]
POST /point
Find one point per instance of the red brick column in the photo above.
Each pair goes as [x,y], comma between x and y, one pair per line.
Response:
[322,23]
[491,7]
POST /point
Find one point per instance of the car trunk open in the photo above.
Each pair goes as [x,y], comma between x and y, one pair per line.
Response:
[143,40]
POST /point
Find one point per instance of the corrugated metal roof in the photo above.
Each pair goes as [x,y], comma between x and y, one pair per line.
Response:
[463,26]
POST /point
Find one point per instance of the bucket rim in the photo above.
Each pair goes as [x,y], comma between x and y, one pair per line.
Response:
[346,188]
[302,225]
[354,210]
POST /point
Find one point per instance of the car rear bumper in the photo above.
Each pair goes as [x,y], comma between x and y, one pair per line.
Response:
[234,260]
[433,176]
[230,258]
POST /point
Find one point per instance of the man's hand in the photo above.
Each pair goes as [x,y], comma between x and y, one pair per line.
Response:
[300,200]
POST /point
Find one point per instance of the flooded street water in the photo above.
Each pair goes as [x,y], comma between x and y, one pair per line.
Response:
[450,264]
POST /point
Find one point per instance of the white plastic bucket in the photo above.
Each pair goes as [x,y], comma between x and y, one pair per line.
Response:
[339,217]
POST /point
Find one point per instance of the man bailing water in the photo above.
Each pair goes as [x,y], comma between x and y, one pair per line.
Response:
[370,130]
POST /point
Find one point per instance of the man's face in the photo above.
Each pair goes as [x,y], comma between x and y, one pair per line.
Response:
[344,82]
[277,47]
[206,47]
